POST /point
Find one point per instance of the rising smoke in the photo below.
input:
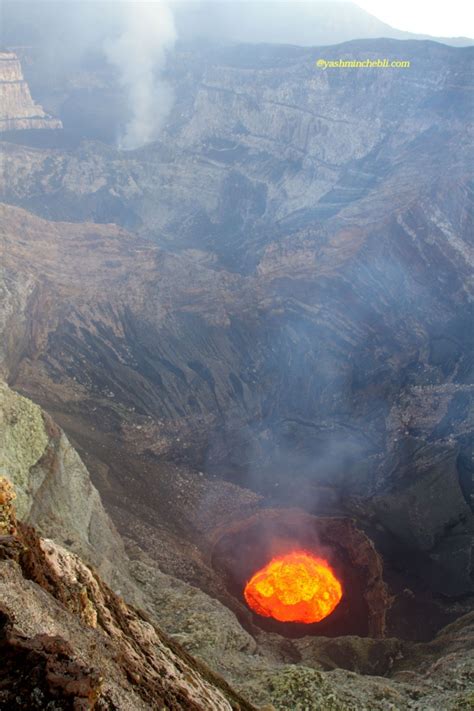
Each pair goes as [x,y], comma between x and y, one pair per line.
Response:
[139,54]
[136,36]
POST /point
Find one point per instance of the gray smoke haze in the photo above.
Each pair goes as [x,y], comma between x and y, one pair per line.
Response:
[137,39]
[134,37]
[299,22]
[139,53]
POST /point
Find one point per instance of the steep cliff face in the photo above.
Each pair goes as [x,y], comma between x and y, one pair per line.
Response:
[18,111]
[53,487]
[67,640]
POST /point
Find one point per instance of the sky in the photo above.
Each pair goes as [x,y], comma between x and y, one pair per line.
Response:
[442,19]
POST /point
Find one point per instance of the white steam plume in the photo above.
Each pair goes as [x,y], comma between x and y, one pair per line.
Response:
[139,53]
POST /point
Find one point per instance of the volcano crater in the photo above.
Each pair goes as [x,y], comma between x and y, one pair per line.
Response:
[246,546]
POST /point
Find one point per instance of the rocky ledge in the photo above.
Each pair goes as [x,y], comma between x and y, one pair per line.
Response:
[18,111]
[69,642]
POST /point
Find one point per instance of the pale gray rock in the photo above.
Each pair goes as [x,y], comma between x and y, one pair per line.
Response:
[18,111]
[53,487]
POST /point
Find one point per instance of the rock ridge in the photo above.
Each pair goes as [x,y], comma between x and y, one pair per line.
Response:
[18,111]
[81,644]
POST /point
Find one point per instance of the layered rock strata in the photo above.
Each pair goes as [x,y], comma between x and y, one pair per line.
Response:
[18,111]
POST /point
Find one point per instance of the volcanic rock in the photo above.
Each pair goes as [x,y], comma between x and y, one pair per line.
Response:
[53,490]
[56,615]
[18,111]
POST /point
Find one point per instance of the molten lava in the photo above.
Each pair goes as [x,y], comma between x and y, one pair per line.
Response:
[295,587]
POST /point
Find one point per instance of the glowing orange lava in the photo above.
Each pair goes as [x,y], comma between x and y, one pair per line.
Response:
[295,587]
